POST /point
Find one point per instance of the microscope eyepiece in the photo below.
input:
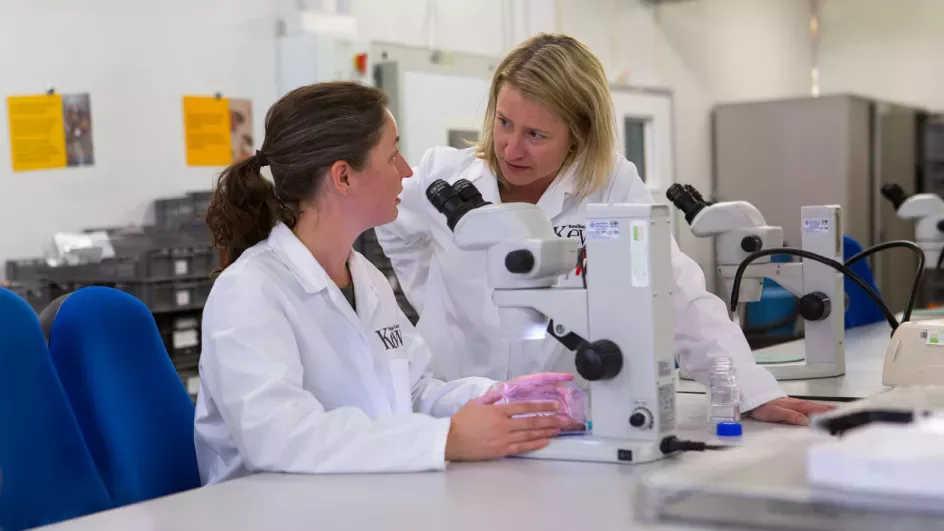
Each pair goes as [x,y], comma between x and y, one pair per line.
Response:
[454,201]
[469,193]
[684,200]
[695,193]
[895,194]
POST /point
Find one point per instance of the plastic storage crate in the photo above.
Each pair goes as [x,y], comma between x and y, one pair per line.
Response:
[173,295]
[25,270]
[181,335]
[173,212]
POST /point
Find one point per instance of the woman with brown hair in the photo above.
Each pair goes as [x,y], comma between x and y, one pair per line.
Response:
[308,364]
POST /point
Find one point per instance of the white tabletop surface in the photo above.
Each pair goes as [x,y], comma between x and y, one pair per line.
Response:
[865,358]
[511,494]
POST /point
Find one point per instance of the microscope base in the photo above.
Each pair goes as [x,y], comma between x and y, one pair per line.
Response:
[795,371]
[804,371]
[598,450]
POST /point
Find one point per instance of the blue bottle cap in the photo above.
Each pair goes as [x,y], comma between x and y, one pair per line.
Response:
[729,429]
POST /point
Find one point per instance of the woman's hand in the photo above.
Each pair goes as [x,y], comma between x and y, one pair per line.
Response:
[482,430]
[788,410]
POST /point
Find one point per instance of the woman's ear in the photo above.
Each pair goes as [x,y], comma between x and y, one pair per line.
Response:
[340,175]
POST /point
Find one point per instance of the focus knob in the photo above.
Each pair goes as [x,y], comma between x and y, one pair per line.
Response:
[641,418]
[815,306]
[940,225]
[520,261]
[751,244]
[600,360]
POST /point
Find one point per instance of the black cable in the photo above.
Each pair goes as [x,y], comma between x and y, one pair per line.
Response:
[582,264]
[673,444]
[912,297]
[940,258]
[889,316]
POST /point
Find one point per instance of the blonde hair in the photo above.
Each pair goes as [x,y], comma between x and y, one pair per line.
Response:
[561,73]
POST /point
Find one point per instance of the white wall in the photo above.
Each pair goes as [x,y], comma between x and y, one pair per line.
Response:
[137,65]
[137,60]
[705,52]
[483,27]
[888,50]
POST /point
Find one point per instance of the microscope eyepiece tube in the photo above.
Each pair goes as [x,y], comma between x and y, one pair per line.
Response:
[469,193]
[895,194]
[695,193]
[685,201]
[448,202]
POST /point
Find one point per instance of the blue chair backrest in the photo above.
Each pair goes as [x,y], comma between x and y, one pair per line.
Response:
[862,310]
[46,472]
[131,405]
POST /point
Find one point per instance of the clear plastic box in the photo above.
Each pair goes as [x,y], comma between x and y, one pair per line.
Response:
[572,399]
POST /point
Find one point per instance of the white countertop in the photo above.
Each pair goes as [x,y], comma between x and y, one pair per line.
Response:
[508,494]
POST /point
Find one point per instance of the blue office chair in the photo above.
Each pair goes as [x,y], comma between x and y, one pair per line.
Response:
[862,310]
[46,471]
[132,408]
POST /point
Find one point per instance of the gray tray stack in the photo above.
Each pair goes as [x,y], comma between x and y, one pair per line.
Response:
[167,266]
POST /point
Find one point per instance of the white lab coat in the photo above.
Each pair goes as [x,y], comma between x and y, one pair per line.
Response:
[449,289]
[293,380]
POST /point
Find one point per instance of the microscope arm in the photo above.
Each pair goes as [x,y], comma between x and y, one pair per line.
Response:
[566,307]
[920,206]
[806,255]
[723,217]
[789,275]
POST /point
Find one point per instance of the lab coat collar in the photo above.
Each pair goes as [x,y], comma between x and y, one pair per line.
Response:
[313,278]
[562,187]
[366,297]
[299,259]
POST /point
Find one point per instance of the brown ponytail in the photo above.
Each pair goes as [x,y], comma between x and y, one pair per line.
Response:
[306,132]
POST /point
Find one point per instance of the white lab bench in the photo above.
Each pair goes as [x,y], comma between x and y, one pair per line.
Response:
[512,493]
[506,494]
[865,356]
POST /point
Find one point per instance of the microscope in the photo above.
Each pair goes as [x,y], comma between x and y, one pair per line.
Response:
[744,244]
[928,209]
[618,318]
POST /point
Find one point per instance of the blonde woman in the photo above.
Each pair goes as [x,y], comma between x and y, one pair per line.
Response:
[548,140]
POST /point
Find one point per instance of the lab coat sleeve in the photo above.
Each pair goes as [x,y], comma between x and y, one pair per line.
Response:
[406,241]
[254,375]
[430,395]
[703,328]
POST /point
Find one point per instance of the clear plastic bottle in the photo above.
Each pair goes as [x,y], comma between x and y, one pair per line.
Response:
[723,393]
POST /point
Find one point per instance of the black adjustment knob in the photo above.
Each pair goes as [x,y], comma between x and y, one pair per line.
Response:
[600,360]
[751,243]
[940,225]
[815,306]
[520,261]
[641,418]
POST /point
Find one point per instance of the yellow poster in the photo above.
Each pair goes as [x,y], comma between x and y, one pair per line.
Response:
[206,131]
[37,137]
